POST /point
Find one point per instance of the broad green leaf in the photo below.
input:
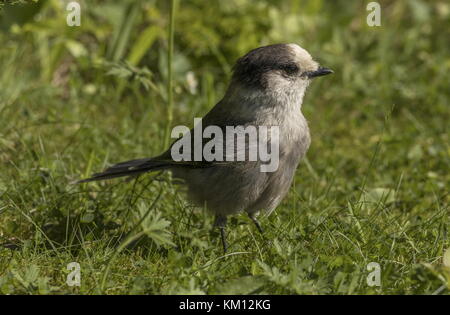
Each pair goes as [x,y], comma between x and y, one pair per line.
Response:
[154,226]
[77,49]
[242,285]
[143,43]
[376,195]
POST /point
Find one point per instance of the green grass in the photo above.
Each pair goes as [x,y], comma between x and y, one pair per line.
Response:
[374,187]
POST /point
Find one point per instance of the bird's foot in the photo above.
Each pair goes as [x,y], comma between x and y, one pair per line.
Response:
[221,222]
[252,217]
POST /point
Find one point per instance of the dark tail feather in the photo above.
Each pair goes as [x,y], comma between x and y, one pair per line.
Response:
[128,168]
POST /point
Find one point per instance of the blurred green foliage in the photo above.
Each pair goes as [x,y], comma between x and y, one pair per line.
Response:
[74,99]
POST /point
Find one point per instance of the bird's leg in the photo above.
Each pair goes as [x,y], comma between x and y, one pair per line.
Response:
[252,217]
[221,222]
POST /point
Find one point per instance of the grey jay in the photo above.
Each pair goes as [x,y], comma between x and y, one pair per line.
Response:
[266,89]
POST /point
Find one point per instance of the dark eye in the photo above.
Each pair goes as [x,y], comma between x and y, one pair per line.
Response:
[290,68]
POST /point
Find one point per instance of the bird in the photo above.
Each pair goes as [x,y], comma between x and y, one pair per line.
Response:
[266,88]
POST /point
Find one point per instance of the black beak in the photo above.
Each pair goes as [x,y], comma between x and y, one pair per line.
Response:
[319,72]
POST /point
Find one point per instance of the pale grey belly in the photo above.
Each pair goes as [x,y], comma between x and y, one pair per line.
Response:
[241,186]
[223,189]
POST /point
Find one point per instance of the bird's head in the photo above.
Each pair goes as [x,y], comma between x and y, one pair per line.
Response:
[277,67]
